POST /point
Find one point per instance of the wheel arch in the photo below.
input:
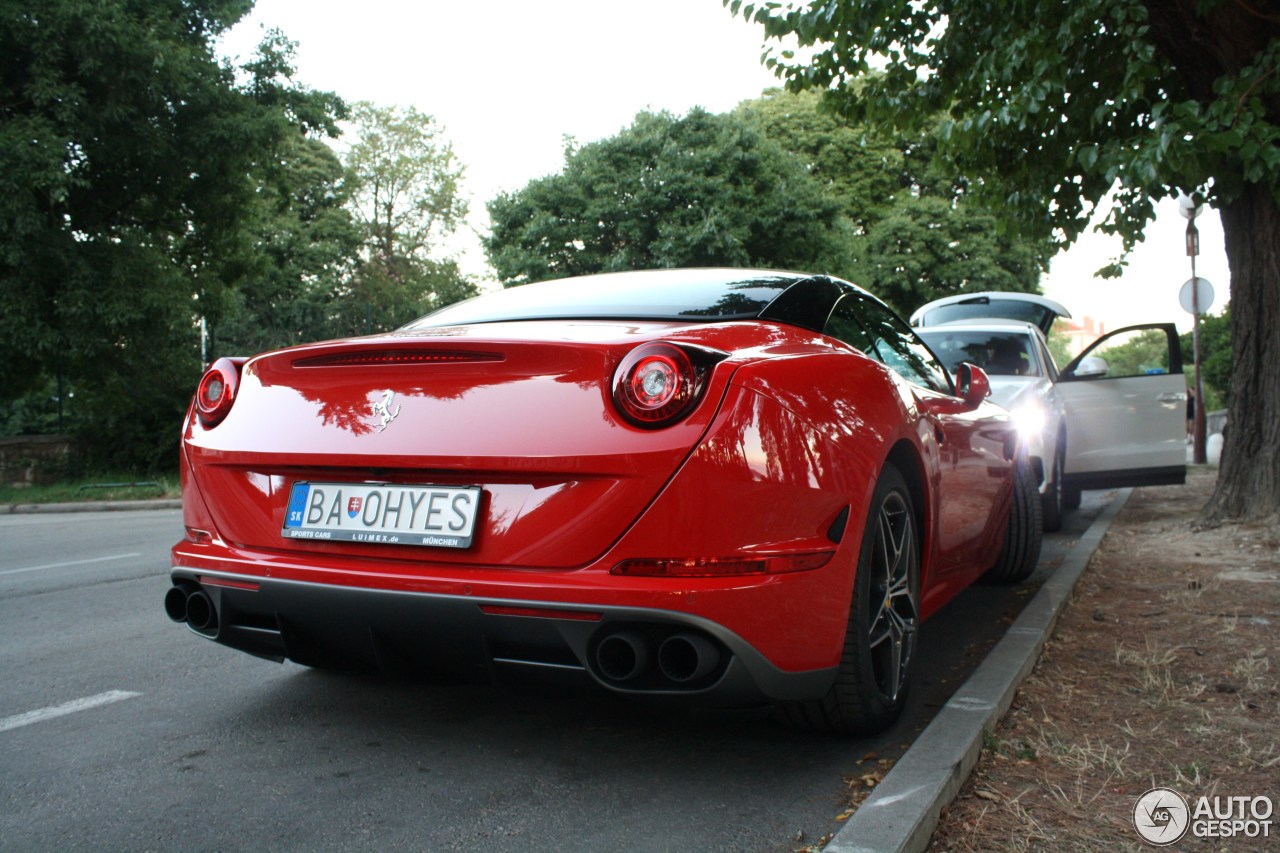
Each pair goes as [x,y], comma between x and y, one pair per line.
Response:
[906,457]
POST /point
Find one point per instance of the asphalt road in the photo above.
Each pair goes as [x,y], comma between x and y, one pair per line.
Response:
[120,730]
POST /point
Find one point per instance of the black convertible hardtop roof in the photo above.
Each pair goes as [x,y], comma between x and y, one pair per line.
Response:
[682,295]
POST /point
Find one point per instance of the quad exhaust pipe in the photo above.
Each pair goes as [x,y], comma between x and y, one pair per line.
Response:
[189,603]
[687,657]
[623,656]
[631,658]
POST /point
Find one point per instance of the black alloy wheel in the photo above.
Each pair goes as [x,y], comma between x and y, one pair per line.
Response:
[874,673]
[893,616]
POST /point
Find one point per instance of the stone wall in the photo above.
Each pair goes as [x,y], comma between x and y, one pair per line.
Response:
[29,459]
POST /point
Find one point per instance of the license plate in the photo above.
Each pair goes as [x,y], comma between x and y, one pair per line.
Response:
[434,516]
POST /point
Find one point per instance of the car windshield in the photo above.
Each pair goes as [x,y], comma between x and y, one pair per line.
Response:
[998,353]
[684,295]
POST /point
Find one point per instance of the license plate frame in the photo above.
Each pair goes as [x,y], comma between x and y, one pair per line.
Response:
[421,515]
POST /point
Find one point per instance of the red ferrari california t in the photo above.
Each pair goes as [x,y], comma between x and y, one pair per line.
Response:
[733,486]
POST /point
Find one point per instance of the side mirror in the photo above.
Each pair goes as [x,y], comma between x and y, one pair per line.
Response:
[972,383]
[1091,368]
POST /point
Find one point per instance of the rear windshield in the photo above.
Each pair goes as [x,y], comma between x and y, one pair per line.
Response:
[998,353]
[1002,309]
[686,295]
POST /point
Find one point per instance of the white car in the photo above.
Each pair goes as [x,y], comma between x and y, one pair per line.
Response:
[1086,426]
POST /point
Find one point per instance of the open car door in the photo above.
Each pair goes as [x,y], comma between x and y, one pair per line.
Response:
[1126,410]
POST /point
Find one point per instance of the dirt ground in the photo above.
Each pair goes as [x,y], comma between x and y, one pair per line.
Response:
[1164,671]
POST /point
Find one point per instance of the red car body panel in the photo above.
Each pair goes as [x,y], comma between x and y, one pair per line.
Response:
[785,446]
[304,421]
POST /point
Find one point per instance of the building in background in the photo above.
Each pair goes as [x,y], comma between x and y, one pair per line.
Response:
[1078,334]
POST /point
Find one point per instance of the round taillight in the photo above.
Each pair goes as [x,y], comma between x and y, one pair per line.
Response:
[655,382]
[217,391]
[212,390]
[655,385]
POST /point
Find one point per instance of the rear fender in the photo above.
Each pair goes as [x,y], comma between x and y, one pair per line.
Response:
[767,480]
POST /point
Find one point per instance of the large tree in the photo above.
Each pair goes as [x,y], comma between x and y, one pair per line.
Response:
[918,235]
[405,190]
[130,160]
[306,248]
[861,169]
[1062,107]
[697,190]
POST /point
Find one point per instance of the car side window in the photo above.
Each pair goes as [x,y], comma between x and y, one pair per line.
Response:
[874,329]
[1140,351]
[844,325]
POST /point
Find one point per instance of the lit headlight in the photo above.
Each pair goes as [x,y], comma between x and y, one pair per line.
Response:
[1029,419]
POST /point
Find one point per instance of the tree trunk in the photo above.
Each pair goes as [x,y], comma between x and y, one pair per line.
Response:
[1249,479]
[1206,41]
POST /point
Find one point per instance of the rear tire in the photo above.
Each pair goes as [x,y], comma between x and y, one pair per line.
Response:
[1021,550]
[871,684]
[1052,503]
[1070,497]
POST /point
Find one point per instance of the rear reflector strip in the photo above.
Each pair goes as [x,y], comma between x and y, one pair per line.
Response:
[540,613]
[394,357]
[198,536]
[715,567]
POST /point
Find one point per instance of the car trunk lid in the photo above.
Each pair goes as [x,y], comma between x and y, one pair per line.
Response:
[1022,307]
[528,421]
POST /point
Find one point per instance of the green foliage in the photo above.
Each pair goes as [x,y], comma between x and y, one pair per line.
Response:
[928,248]
[1063,108]
[1054,103]
[387,294]
[348,248]
[37,411]
[698,190]
[131,161]
[146,186]
[918,237]
[1215,358]
[307,248]
[404,178]
[107,486]
[1136,353]
[861,171]
[405,182]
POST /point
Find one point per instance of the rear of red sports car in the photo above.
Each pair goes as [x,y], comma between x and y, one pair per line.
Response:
[655,505]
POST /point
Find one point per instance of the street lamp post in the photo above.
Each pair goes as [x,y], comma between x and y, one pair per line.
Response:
[1189,209]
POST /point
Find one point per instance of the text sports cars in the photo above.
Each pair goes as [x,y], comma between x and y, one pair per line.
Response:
[732,486]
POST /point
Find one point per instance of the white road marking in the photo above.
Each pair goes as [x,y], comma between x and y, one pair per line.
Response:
[72,707]
[71,563]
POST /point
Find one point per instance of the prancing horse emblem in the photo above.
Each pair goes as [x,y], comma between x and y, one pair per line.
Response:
[382,409]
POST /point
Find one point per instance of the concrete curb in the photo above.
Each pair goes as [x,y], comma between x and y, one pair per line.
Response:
[902,813]
[89,506]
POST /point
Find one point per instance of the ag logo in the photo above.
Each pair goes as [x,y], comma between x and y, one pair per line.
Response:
[1161,816]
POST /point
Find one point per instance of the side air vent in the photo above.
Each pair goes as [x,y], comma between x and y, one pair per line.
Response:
[384,358]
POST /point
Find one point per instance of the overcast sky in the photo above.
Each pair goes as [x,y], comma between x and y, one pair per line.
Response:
[510,79]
